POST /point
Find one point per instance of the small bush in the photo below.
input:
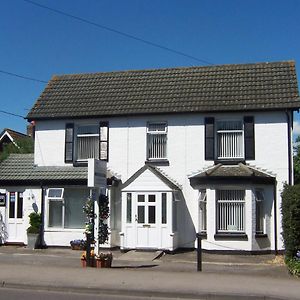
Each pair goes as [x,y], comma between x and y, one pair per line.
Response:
[35,221]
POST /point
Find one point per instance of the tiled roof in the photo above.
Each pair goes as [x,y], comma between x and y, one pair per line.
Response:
[261,86]
[20,167]
[237,172]
[14,134]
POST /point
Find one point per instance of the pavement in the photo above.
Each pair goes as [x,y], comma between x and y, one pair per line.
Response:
[141,274]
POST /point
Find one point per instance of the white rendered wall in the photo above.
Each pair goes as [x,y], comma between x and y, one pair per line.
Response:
[127,151]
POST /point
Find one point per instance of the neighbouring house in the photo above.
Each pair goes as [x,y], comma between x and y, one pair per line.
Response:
[9,136]
[197,149]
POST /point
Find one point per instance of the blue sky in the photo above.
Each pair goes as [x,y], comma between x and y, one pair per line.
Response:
[39,43]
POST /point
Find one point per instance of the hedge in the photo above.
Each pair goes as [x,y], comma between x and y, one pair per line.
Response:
[290,210]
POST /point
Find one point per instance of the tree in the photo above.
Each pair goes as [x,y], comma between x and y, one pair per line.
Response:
[23,145]
[297,161]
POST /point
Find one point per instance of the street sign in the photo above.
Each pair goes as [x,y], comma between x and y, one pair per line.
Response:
[97,173]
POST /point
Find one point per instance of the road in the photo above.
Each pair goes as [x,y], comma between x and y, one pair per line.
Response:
[27,294]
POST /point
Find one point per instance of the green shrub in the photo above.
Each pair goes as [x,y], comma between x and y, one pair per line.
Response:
[293,265]
[35,221]
[291,219]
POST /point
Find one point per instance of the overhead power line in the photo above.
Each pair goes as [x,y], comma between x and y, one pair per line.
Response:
[23,77]
[11,114]
[127,35]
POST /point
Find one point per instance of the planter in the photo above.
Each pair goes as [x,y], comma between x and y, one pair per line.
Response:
[32,240]
[84,262]
[104,262]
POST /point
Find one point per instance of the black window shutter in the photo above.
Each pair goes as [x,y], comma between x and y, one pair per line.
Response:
[69,138]
[249,137]
[209,138]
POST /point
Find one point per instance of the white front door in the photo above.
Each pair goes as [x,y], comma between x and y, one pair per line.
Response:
[147,220]
[15,226]
[147,211]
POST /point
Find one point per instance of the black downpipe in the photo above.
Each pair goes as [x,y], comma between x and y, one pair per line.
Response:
[41,242]
[275,218]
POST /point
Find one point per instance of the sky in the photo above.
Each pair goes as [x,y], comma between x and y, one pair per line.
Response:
[37,43]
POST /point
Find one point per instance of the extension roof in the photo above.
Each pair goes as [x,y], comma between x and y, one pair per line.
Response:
[19,169]
[239,87]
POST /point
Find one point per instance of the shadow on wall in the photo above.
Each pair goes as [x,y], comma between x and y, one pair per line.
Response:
[185,226]
[3,231]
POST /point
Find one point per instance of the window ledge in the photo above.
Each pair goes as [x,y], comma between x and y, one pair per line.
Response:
[80,163]
[261,235]
[231,235]
[158,162]
[230,161]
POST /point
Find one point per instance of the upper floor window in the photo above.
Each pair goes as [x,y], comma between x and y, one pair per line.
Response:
[156,141]
[229,139]
[86,141]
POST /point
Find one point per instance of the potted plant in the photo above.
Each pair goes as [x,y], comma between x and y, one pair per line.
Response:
[35,221]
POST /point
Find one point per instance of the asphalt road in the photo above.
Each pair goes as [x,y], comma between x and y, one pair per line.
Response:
[17,294]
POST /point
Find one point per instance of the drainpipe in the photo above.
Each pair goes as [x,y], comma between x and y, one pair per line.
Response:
[275,218]
[42,244]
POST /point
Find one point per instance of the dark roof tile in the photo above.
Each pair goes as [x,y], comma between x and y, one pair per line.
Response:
[261,86]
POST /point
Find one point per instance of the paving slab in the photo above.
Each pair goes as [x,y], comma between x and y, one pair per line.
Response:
[135,255]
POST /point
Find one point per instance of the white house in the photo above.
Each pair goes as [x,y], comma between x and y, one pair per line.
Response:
[198,149]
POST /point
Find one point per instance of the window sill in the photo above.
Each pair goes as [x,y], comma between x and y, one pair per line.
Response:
[80,163]
[261,235]
[230,161]
[158,162]
[231,235]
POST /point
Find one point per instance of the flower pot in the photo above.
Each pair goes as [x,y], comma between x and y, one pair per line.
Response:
[32,240]
[104,262]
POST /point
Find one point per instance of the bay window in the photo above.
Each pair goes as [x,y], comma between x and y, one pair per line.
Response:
[259,211]
[230,211]
[202,211]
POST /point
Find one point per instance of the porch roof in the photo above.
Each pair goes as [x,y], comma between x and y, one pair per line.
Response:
[229,173]
[172,184]
[20,169]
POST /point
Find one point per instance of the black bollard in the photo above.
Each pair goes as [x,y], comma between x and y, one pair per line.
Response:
[199,252]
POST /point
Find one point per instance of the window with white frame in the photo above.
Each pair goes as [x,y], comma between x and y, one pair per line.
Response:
[230,139]
[230,211]
[87,142]
[202,211]
[259,211]
[65,208]
[157,141]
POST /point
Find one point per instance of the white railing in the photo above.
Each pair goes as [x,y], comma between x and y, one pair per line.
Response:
[231,210]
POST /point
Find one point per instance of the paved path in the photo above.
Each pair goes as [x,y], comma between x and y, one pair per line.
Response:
[222,276]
